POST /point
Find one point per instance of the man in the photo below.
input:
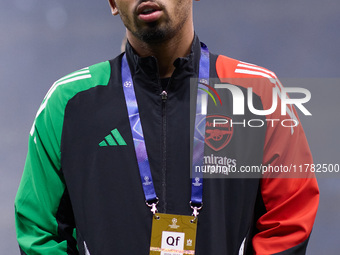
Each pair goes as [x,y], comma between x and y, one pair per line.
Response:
[83,190]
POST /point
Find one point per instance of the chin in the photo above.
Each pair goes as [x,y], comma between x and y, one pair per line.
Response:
[154,36]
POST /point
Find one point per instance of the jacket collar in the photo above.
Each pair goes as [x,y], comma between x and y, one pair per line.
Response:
[147,66]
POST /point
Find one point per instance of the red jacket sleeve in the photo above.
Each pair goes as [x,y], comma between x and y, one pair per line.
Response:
[290,198]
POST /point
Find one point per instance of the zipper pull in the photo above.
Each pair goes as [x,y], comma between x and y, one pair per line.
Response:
[164,95]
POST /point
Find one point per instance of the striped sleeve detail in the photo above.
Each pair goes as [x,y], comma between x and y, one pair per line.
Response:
[75,82]
[76,76]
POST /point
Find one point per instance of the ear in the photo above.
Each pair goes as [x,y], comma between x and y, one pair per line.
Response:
[113,6]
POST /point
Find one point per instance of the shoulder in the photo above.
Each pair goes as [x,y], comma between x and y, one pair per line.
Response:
[246,75]
[68,86]
[227,67]
[54,103]
[80,80]
[50,115]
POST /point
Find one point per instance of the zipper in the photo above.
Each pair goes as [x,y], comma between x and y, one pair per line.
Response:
[164,96]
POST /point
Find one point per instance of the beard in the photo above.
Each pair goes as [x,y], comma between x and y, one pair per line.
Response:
[155,32]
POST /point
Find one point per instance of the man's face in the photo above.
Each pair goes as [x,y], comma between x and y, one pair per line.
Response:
[154,21]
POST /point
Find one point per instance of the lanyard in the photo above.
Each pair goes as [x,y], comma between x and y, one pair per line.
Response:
[139,143]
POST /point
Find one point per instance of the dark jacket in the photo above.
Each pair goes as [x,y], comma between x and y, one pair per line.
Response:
[81,187]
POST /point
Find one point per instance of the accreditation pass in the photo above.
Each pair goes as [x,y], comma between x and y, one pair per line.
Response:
[173,235]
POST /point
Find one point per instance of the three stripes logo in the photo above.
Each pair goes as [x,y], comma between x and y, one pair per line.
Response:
[113,139]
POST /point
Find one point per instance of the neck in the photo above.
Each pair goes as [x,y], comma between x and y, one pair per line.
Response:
[165,52]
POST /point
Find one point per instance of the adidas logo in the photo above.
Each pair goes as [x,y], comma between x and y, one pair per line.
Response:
[113,139]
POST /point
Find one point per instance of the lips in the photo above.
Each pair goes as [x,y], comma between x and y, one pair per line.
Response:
[149,11]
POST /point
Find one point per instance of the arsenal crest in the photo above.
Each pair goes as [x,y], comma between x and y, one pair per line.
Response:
[218,131]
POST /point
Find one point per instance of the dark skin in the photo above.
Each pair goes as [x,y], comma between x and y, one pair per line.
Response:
[160,28]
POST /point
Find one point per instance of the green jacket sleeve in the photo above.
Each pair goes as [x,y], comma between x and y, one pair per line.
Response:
[43,212]
[42,187]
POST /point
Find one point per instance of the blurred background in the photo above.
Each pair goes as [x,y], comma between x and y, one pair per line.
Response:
[40,41]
